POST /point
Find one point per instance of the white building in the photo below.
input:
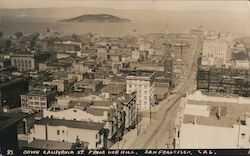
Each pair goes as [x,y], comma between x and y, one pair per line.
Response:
[143,83]
[107,112]
[213,122]
[90,133]
[37,100]
[135,55]
[214,52]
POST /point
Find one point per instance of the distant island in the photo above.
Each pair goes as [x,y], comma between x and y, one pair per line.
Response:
[96,18]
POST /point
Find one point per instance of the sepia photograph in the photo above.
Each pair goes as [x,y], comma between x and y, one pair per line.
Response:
[124,77]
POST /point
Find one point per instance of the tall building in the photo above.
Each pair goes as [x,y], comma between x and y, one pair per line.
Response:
[28,61]
[223,80]
[200,35]
[143,83]
[37,100]
[168,70]
[10,91]
[8,132]
[214,52]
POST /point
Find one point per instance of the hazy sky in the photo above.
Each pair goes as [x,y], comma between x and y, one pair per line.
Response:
[235,5]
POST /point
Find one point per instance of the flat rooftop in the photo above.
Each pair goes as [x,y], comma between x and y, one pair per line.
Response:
[89,81]
[8,119]
[97,111]
[47,144]
[37,93]
[231,113]
[79,104]
[71,123]
[211,121]
[103,103]
[143,73]
[10,82]
[114,88]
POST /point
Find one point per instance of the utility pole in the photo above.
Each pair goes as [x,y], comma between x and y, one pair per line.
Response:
[137,121]
[169,133]
[117,121]
[156,139]
[150,113]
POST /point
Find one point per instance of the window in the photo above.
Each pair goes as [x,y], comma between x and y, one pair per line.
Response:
[58,132]
[243,135]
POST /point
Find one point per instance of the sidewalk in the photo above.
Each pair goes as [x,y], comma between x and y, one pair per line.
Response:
[130,136]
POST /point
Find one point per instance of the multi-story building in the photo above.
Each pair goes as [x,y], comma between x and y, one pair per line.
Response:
[10,91]
[135,55]
[129,107]
[213,122]
[200,36]
[169,72]
[4,63]
[90,135]
[38,99]
[143,83]
[214,50]
[108,112]
[28,61]
[223,80]
[5,43]
[102,53]
[84,67]
[8,132]
[88,85]
[61,85]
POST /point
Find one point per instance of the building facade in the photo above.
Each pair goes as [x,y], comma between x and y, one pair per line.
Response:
[216,49]
[93,135]
[28,61]
[129,107]
[37,100]
[143,83]
[213,122]
[10,91]
[61,85]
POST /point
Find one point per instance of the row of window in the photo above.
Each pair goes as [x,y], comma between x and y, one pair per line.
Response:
[37,103]
[22,61]
[22,65]
[34,98]
[130,86]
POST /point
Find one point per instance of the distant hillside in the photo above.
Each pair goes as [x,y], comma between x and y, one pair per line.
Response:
[96,18]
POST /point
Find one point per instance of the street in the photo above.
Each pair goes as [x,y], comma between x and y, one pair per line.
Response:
[159,133]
